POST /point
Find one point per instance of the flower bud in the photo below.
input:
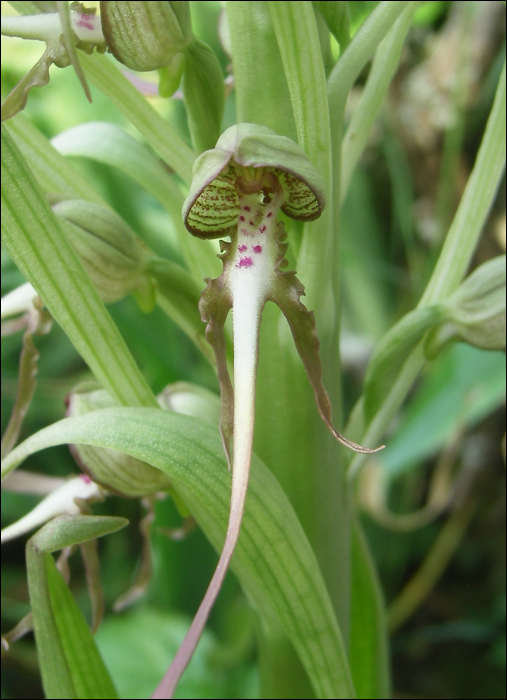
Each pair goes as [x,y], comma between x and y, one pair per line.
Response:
[475,313]
[158,36]
[115,471]
[145,35]
[114,256]
[192,400]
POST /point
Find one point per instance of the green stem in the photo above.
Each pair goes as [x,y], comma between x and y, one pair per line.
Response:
[384,66]
[457,252]
[340,82]
[466,228]
[348,68]
[426,577]
[295,26]
[258,69]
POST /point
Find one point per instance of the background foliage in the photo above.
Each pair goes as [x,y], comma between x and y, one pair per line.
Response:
[448,626]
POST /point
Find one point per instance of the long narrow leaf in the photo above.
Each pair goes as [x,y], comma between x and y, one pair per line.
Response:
[273,559]
[33,236]
[71,666]
[52,171]
[454,259]
[155,129]
[386,62]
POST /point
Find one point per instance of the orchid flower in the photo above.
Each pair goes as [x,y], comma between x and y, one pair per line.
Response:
[238,189]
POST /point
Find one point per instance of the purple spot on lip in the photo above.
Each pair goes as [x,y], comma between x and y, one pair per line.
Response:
[85,478]
[251,223]
[246,208]
[257,249]
[262,229]
[242,248]
[241,218]
[85,21]
[244,231]
[269,214]
[245,262]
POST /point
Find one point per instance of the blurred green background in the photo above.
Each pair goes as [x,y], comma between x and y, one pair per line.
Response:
[448,626]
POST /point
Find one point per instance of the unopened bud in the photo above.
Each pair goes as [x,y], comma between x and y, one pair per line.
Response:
[145,35]
[115,471]
[192,400]
[114,256]
[475,313]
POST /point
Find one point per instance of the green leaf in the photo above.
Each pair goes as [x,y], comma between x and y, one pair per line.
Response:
[347,69]
[33,236]
[155,129]
[475,204]
[150,637]
[392,351]
[368,644]
[70,664]
[273,558]
[204,94]
[385,64]
[52,171]
[462,386]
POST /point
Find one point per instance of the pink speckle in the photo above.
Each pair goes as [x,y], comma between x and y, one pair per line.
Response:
[246,208]
[257,249]
[262,229]
[85,21]
[270,213]
[85,478]
[245,262]
[251,223]
[242,248]
[241,218]
[244,231]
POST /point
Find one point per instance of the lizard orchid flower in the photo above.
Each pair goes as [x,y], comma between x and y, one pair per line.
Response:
[238,190]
